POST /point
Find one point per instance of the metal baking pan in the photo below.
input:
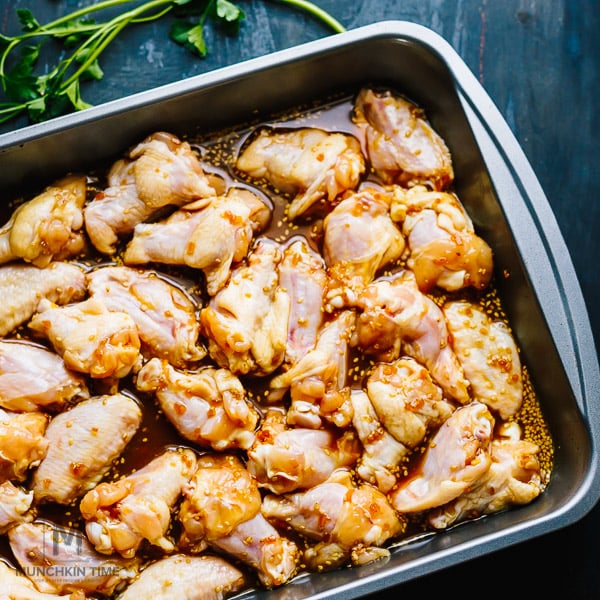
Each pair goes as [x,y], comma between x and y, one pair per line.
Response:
[542,297]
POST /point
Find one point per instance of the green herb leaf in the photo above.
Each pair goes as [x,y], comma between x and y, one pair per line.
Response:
[93,71]
[74,95]
[189,35]
[37,110]
[229,12]
[27,20]
[75,32]
[20,84]
[44,84]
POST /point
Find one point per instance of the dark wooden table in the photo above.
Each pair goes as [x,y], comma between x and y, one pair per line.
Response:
[540,62]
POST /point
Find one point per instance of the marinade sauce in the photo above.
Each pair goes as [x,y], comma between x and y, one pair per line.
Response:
[218,152]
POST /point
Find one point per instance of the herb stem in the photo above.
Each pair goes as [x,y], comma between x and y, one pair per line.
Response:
[108,35]
[82,12]
[58,91]
[112,28]
[318,12]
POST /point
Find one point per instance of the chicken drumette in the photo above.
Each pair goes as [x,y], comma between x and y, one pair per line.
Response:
[311,164]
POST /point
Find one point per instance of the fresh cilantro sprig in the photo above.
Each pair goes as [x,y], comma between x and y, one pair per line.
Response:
[190,34]
[83,40]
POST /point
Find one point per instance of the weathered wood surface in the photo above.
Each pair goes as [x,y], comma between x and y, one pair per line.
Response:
[539,62]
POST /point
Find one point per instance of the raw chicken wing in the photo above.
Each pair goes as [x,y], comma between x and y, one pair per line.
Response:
[222,508]
[402,146]
[168,171]
[23,444]
[160,171]
[23,286]
[397,318]
[360,239]
[285,459]
[346,521]
[208,235]
[407,401]
[302,274]
[15,503]
[488,354]
[444,248]
[317,382]
[83,443]
[512,479]
[114,212]
[311,164]
[60,560]
[456,457]
[90,338]
[382,453]
[48,227]
[165,317]
[400,406]
[121,515]
[246,321]
[208,407]
[32,377]
[181,577]
[219,496]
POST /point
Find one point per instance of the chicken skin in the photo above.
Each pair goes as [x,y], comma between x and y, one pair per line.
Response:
[121,515]
[24,286]
[382,453]
[210,235]
[400,406]
[407,401]
[342,520]
[89,337]
[445,251]
[23,443]
[60,560]
[512,479]
[32,378]
[285,459]
[181,577]
[16,585]
[317,383]
[48,227]
[82,444]
[402,146]
[160,171]
[15,503]
[396,318]
[456,457]
[219,496]
[208,407]
[164,316]
[302,273]
[360,239]
[246,322]
[310,164]
[222,508]
[114,212]
[489,356]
